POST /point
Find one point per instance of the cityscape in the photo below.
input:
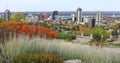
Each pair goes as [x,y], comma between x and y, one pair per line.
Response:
[78,17]
[53,31]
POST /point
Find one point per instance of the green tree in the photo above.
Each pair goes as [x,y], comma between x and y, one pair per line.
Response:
[115,27]
[68,36]
[2,20]
[76,28]
[118,28]
[18,17]
[100,34]
[44,24]
[115,35]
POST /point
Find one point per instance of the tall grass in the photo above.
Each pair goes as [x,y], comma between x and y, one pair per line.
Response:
[66,50]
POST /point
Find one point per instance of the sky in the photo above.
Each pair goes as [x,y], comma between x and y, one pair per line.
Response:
[60,5]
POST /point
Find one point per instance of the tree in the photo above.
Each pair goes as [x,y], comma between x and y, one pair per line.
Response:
[85,29]
[114,34]
[18,17]
[118,28]
[2,20]
[100,34]
[115,27]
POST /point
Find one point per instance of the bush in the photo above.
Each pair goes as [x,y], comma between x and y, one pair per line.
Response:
[43,24]
[61,35]
[68,36]
[100,34]
[37,58]
[1,59]
[2,20]
[97,37]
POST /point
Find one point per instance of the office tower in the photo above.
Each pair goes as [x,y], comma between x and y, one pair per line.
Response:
[7,14]
[99,19]
[91,22]
[55,15]
[46,16]
[73,17]
[79,15]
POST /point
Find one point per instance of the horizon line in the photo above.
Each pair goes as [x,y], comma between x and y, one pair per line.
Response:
[63,11]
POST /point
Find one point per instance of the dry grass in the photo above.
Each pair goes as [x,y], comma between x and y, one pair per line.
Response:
[66,50]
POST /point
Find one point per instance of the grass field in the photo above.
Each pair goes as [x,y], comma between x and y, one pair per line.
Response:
[67,50]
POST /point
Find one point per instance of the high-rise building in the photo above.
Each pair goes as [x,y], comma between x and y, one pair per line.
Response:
[73,17]
[79,15]
[55,15]
[91,22]
[7,14]
[99,19]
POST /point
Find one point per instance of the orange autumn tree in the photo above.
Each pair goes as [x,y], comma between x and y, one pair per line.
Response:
[31,30]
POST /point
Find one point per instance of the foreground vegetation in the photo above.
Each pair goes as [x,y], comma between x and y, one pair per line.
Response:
[36,58]
[60,48]
[21,39]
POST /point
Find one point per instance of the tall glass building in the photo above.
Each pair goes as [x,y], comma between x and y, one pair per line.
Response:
[79,15]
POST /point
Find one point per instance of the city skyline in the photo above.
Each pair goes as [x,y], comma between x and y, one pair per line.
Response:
[60,5]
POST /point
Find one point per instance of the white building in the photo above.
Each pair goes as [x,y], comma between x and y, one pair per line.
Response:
[86,19]
[79,15]
[73,17]
[99,19]
[7,15]
[2,16]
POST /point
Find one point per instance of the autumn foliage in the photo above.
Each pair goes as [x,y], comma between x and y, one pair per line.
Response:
[26,29]
[84,29]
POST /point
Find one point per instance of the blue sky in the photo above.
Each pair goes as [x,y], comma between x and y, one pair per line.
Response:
[60,5]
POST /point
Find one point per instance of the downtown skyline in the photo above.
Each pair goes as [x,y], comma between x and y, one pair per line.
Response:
[60,5]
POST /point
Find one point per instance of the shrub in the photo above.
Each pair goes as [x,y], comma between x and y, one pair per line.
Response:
[1,20]
[115,35]
[37,58]
[97,36]
[68,36]
[1,59]
[61,35]
[100,34]
[43,24]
